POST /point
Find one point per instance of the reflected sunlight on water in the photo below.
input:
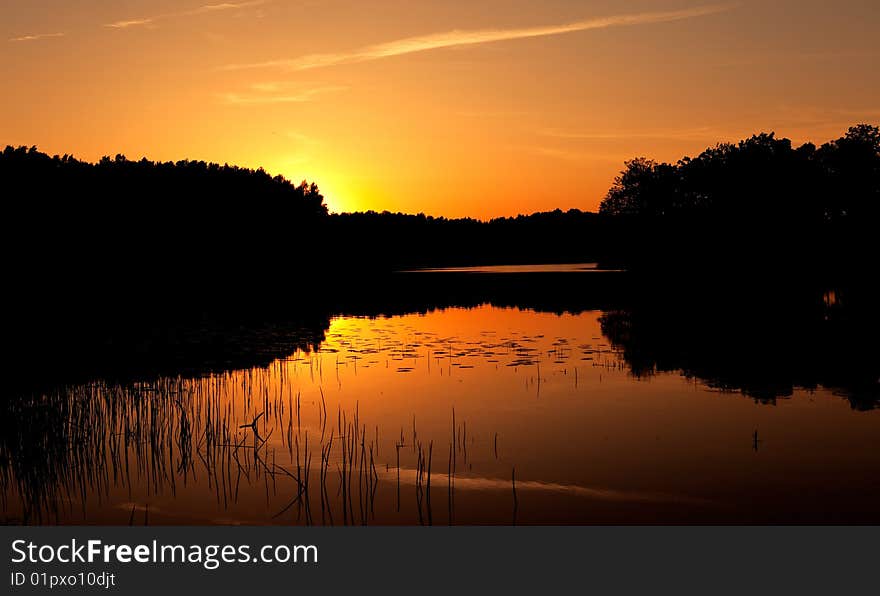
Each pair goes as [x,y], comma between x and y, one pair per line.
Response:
[485,415]
[542,268]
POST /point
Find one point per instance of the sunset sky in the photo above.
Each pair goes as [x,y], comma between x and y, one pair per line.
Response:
[455,107]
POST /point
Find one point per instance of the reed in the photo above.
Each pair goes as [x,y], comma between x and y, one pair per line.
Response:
[228,433]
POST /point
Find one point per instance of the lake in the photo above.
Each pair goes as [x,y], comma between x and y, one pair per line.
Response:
[473,412]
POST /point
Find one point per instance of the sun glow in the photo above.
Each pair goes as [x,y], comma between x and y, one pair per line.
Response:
[442,109]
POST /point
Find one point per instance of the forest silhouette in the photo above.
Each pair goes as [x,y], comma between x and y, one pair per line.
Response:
[759,178]
[740,205]
[122,253]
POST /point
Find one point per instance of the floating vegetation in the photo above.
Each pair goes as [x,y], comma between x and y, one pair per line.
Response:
[333,435]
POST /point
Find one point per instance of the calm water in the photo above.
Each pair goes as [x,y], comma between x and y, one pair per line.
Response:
[501,269]
[460,415]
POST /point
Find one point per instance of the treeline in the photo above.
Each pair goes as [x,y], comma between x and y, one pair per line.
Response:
[761,208]
[192,218]
[157,215]
[124,248]
[397,240]
[123,232]
[760,178]
[207,230]
[92,248]
[147,188]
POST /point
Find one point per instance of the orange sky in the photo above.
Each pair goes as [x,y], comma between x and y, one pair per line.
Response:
[450,107]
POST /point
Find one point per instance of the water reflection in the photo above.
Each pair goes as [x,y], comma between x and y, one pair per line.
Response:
[766,353]
[483,414]
[508,269]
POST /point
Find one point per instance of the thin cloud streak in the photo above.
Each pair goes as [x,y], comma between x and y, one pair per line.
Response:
[686,134]
[301,96]
[131,23]
[207,8]
[459,38]
[36,36]
[578,156]
[226,6]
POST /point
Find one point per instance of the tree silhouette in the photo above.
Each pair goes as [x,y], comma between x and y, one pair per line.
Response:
[759,178]
[758,203]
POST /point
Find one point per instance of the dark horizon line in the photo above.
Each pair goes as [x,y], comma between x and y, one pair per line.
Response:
[306,181]
[466,218]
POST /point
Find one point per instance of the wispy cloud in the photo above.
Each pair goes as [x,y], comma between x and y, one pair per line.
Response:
[225,6]
[678,134]
[131,23]
[207,8]
[578,156]
[278,93]
[459,38]
[36,36]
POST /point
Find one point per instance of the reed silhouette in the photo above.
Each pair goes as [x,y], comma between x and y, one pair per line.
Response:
[73,444]
[135,285]
[157,263]
[81,443]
